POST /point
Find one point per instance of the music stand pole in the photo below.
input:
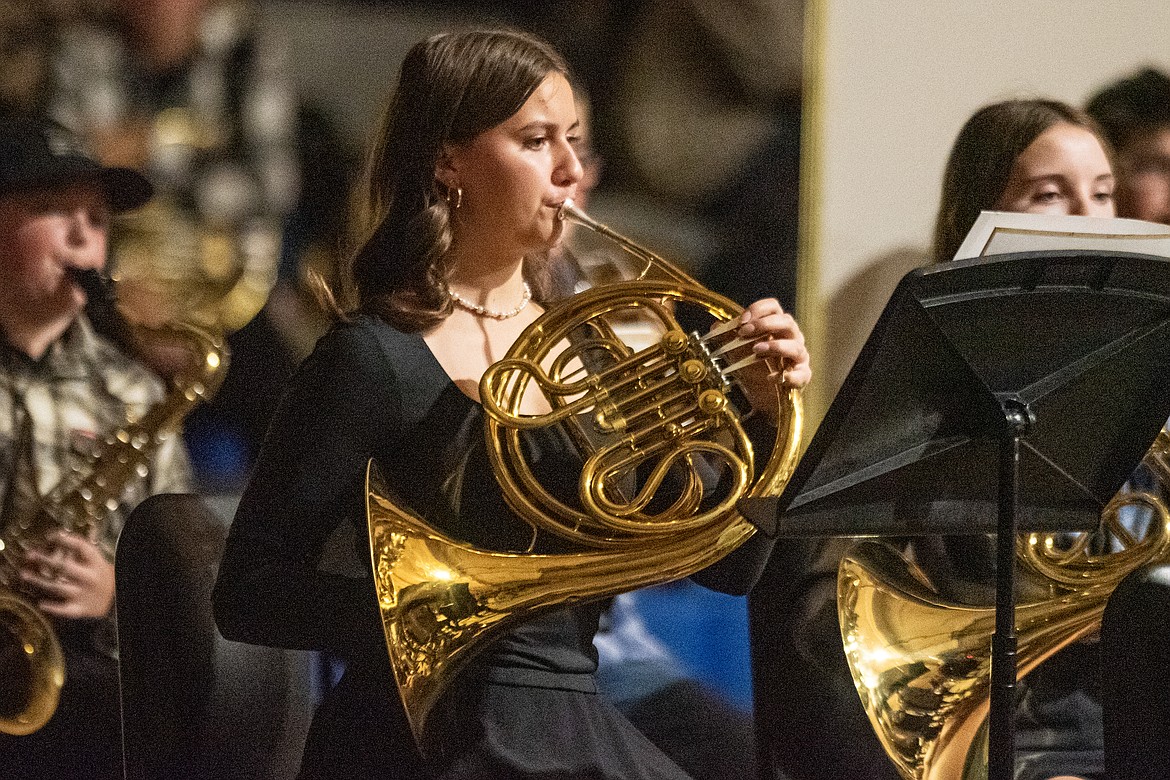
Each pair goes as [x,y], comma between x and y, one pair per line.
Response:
[1001,737]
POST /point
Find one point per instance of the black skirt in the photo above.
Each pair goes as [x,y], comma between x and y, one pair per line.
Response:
[511,731]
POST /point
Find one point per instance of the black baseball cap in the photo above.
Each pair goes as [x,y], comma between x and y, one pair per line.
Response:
[38,153]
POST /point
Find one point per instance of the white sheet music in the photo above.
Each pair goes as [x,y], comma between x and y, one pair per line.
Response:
[1003,232]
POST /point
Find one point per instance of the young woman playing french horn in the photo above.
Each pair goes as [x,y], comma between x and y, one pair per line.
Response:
[463,191]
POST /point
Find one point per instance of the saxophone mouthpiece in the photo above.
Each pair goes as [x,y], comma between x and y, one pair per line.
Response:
[102,307]
[99,289]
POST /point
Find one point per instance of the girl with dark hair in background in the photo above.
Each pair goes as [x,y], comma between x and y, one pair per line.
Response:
[1032,156]
[1029,156]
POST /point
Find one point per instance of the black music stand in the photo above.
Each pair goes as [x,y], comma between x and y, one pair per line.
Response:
[1007,393]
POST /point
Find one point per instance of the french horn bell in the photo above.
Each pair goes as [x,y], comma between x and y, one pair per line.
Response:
[921,663]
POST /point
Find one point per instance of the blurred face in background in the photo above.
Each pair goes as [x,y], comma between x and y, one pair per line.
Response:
[590,161]
[1143,190]
[43,235]
[163,32]
[158,14]
[1064,171]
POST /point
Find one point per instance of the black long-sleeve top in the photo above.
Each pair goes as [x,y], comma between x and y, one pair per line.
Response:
[371,391]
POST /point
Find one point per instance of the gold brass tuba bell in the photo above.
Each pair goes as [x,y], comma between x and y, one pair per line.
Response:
[921,664]
[663,408]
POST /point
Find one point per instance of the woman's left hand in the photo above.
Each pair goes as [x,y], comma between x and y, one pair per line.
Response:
[783,346]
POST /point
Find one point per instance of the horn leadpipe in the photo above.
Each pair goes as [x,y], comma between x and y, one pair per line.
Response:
[570,211]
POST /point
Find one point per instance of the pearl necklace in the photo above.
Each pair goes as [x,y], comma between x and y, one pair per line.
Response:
[481,311]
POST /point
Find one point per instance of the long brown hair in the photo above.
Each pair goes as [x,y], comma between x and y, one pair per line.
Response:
[452,87]
[982,158]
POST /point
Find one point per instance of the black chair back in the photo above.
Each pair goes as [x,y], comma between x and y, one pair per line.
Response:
[193,704]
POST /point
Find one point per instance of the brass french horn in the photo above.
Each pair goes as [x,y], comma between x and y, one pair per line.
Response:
[921,663]
[659,409]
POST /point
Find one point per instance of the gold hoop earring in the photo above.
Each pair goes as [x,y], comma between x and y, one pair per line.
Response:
[458,191]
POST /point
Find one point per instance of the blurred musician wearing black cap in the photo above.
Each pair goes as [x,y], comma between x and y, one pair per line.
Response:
[63,388]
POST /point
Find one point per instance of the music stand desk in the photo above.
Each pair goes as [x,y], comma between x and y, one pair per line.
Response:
[1006,393]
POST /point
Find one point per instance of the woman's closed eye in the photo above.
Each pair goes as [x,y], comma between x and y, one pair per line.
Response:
[1048,195]
[1103,196]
